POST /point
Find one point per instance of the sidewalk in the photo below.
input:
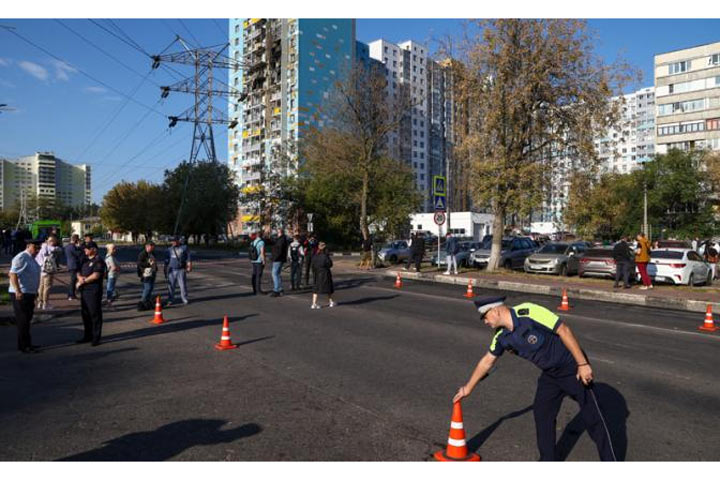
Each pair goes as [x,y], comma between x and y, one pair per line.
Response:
[670,297]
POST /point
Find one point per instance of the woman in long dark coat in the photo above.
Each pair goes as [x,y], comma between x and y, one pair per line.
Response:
[321,265]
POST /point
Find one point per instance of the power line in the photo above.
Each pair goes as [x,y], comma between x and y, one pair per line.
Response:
[91,43]
[112,118]
[82,72]
[222,32]
[197,42]
[128,37]
[138,48]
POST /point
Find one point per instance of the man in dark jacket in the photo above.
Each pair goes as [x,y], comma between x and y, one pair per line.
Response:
[310,245]
[73,259]
[623,258]
[417,250]
[278,249]
[147,271]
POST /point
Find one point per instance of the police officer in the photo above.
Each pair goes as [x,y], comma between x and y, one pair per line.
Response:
[92,272]
[536,334]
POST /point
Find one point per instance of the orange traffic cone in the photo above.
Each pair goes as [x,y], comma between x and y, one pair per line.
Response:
[457,450]
[709,325]
[469,292]
[158,318]
[565,305]
[398,281]
[225,343]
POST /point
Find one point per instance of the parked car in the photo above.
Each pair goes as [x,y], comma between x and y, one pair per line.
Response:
[556,258]
[679,266]
[598,262]
[673,244]
[513,252]
[394,252]
[463,256]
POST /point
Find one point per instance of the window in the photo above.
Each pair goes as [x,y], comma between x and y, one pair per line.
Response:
[386,49]
[678,67]
[394,63]
[714,59]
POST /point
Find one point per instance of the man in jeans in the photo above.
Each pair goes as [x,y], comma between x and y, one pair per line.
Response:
[177,266]
[296,255]
[279,249]
[73,259]
[147,271]
[257,259]
[451,250]
[622,256]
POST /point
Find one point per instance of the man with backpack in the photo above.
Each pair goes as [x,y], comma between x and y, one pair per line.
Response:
[452,247]
[296,254]
[47,258]
[257,260]
[177,266]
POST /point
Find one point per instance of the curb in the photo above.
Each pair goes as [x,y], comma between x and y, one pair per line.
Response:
[664,303]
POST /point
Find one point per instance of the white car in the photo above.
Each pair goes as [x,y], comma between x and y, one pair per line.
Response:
[679,266]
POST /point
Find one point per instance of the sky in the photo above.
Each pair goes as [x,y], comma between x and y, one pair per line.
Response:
[77,104]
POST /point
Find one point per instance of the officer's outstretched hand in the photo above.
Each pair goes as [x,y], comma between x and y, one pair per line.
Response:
[461,393]
[585,374]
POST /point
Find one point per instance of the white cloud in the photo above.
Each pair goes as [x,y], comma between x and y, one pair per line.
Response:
[34,69]
[4,62]
[62,69]
[96,89]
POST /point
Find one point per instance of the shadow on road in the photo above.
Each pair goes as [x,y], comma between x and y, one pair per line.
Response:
[166,442]
[477,441]
[169,327]
[361,301]
[615,411]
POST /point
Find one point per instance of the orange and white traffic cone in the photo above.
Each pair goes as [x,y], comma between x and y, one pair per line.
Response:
[158,318]
[225,342]
[565,305]
[469,292]
[708,325]
[398,281]
[457,450]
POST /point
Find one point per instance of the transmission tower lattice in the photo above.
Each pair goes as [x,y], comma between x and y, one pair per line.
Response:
[205,87]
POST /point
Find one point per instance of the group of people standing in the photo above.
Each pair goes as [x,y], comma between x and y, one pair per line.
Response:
[305,254]
[625,255]
[34,269]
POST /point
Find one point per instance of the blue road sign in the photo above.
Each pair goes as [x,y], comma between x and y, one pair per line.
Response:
[439,203]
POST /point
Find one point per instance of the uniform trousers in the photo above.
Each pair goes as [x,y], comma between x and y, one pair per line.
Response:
[548,398]
[91,310]
[24,310]
[73,282]
[179,276]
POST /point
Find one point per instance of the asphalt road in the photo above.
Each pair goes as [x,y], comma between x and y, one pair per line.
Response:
[371,379]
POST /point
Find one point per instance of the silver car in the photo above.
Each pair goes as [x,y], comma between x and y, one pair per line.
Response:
[514,250]
[556,258]
[394,252]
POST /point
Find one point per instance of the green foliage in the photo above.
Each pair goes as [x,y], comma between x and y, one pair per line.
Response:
[680,200]
[133,207]
[211,198]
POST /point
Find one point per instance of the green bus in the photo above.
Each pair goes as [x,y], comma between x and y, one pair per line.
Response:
[43,228]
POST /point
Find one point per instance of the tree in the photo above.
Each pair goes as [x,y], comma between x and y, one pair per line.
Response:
[208,194]
[680,199]
[527,86]
[134,207]
[351,155]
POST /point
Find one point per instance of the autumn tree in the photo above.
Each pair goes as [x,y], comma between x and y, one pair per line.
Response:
[528,85]
[133,207]
[353,147]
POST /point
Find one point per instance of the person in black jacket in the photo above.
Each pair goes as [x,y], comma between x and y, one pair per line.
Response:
[321,264]
[278,249]
[147,271]
[623,258]
[417,250]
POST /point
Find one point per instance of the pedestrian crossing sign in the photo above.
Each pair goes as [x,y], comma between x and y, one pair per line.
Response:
[439,186]
[440,203]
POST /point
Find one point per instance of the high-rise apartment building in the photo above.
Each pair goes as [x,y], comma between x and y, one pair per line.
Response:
[621,149]
[422,141]
[687,87]
[45,177]
[289,67]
